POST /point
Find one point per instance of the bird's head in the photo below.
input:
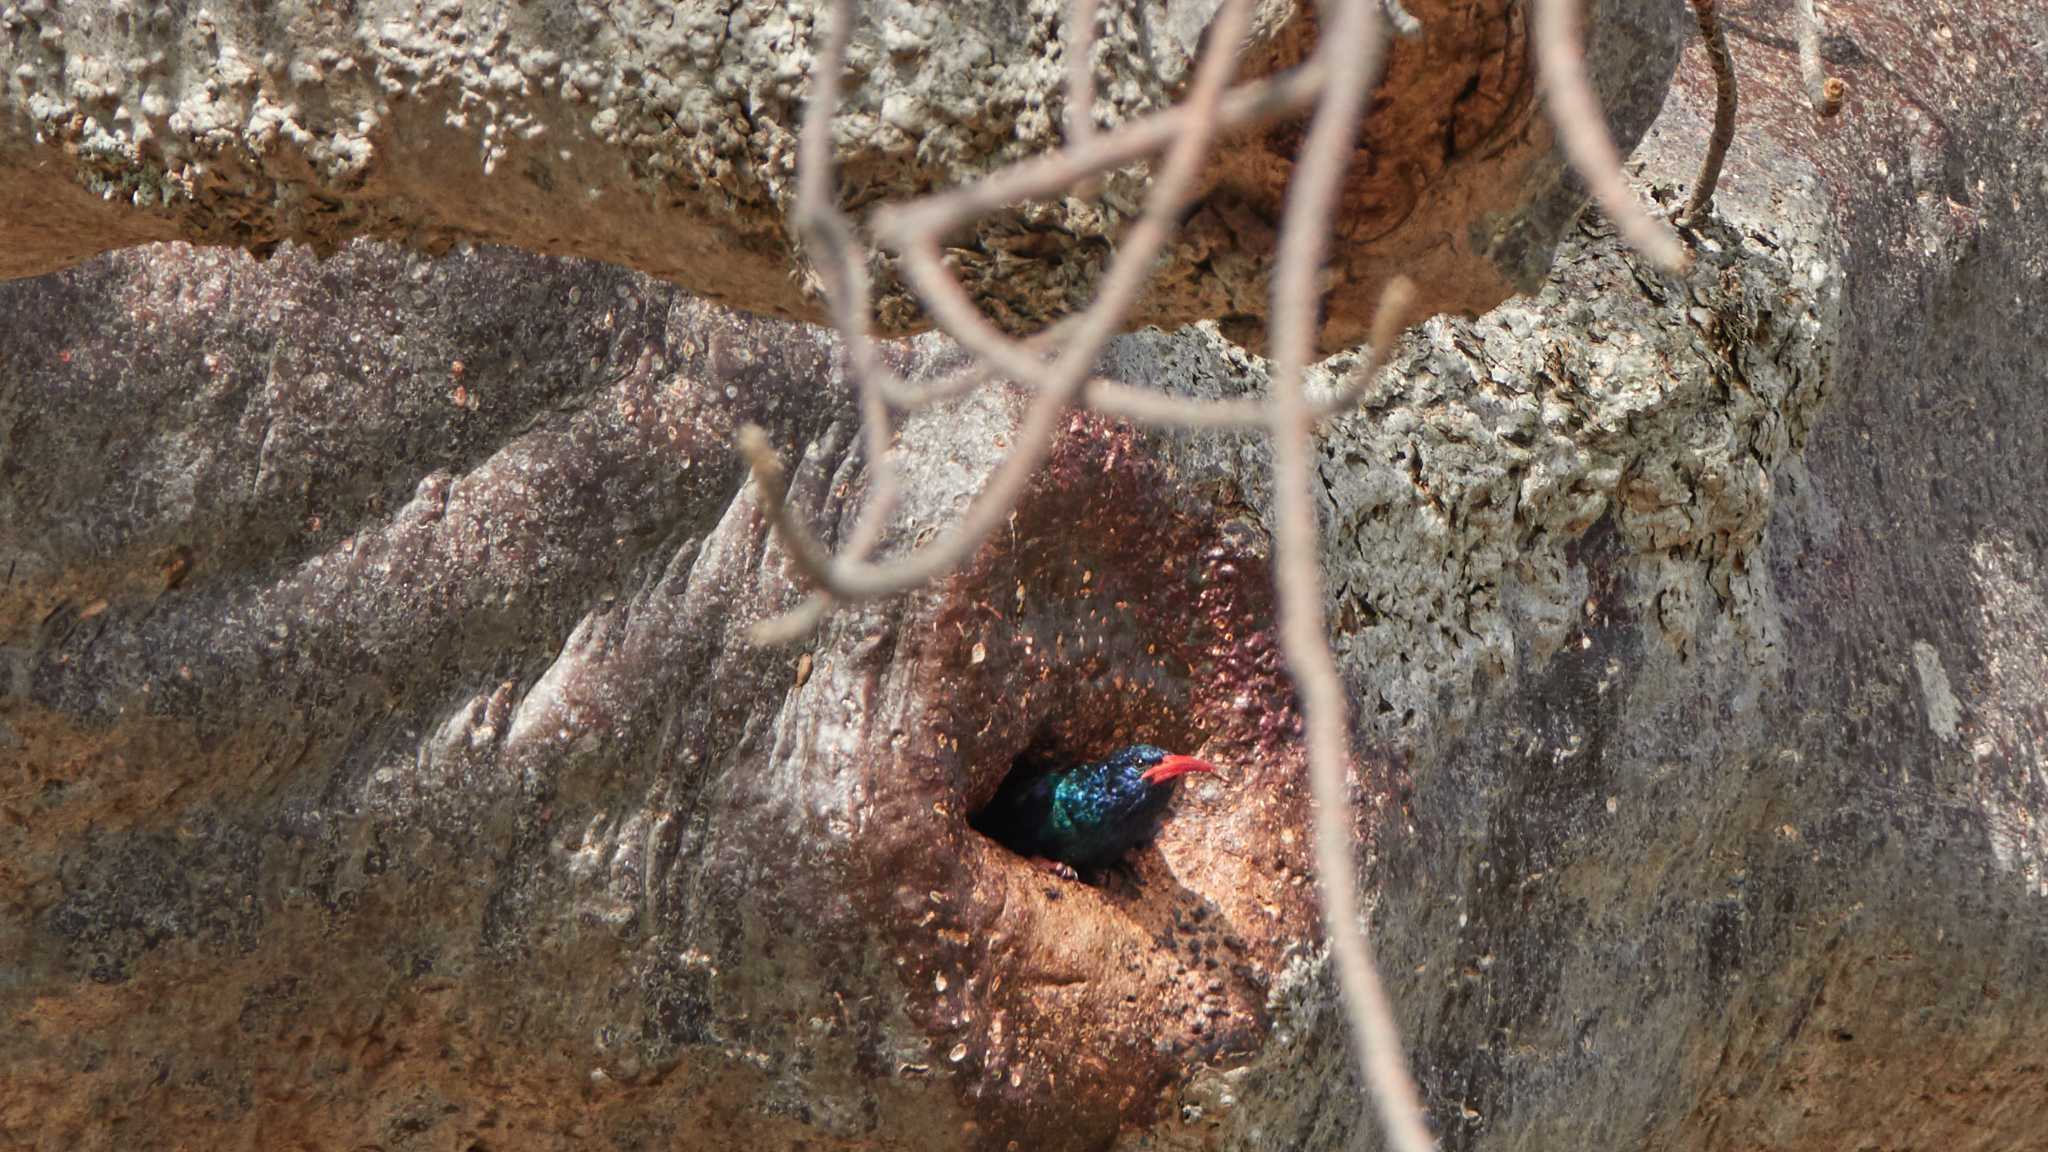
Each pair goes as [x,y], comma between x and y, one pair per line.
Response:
[1160,766]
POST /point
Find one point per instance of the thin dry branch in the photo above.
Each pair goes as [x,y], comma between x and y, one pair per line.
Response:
[810,556]
[1304,236]
[838,253]
[1406,26]
[852,579]
[1157,409]
[1583,131]
[1246,106]
[846,281]
[840,258]
[827,230]
[1080,71]
[1701,204]
[1823,92]
[1056,364]
[1164,410]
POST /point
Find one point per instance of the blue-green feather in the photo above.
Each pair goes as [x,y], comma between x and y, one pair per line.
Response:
[1088,816]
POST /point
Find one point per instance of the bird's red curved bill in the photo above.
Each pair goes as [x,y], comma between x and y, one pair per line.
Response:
[1174,766]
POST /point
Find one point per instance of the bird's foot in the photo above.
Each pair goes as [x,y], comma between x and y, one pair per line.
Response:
[1063,871]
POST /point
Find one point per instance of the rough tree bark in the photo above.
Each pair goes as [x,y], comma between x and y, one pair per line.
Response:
[385,765]
[663,137]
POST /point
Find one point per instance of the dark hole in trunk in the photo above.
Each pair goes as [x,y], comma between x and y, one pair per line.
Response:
[1018,817]
[1007,816]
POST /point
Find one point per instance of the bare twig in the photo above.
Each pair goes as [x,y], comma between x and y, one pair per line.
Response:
[1080,71]
[1701,204]
[1248,105]
[840,257]
[852,579]
[1160,409]
[1055,365]
[1397,304]
[846,281]
[1823,92]
[1354,31]
[810,556]
[1406,26]
[827,230]
[1583,131]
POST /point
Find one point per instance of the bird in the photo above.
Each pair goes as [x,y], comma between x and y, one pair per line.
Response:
[1087,817]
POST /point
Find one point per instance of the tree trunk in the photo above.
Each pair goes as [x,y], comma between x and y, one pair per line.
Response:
[384,762]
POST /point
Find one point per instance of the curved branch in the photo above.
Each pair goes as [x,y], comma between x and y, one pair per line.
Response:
[1702,203]
[1080,51]
[1160,409]
[1583,131]
[1245,106]
[852,579]
[1823,92]
[1304,235]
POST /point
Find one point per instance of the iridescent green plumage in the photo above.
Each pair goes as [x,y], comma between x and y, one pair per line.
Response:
[1087,817]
